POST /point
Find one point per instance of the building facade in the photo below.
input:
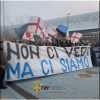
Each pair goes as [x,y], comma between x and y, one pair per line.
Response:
[87,24]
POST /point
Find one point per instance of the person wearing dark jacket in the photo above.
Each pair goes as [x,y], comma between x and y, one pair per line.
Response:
[3,62]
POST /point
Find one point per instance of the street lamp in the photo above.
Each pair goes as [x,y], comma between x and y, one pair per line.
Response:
[67,23]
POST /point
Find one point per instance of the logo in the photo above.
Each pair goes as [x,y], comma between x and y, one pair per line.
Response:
[37,87]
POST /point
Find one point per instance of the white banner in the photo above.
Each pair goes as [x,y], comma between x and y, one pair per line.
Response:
[28,61]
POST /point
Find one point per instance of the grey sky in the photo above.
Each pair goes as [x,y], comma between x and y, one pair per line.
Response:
[18,11]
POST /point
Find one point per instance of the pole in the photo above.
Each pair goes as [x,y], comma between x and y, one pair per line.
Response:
[3,18]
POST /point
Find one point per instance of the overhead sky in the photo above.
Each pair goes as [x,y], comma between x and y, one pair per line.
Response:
[17,11]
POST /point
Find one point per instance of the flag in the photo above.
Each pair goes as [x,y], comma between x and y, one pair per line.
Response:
[50,39]
[45,32]
[75,37]
[38,24]
[28,36]
[35,27]
[54,33]
[68,38]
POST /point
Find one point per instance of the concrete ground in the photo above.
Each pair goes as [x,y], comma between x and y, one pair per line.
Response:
[82,84]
